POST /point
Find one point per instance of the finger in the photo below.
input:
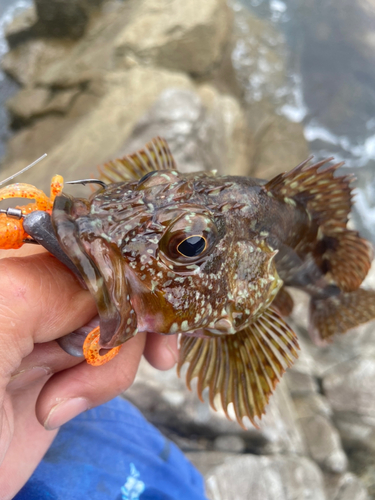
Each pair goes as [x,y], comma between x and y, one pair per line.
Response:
[27,440]
[72,391]
[45,359]
[24,251]
[40,300]
[161,351]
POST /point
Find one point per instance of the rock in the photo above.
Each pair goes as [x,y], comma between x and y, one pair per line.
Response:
[29,103]
[64,18]
[312,404]
[184,36]
[344,487]
[280,146]
[259,61]
[99,133]
[357,432]
[349,387]
[265,478]
[165,401]
[204,461]
[228,443]
[300,378]
[259,57]
[324,444]
[204,130]
[21,27]
[27,62]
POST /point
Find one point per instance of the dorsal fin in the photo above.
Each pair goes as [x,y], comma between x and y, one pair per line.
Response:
[244,368]
[325,196]
[154,156]
[328,200]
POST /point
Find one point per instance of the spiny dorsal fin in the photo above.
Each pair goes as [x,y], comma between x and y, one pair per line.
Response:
[243,368]
[328,200]
[154,156]
[325,196]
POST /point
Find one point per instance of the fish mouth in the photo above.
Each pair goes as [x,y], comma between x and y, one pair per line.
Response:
[102,269]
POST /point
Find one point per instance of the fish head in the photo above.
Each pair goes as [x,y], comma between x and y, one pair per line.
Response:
[158,258]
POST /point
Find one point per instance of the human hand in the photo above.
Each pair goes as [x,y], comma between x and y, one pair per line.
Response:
[41,386]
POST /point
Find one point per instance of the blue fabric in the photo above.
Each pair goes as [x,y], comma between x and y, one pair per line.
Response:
[112,452]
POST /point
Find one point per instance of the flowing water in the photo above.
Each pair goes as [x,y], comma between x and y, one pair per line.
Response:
[331,89]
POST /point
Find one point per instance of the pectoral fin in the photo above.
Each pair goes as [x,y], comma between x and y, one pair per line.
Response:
[243,368]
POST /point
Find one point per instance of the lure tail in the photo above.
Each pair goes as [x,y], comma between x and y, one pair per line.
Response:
[340,313]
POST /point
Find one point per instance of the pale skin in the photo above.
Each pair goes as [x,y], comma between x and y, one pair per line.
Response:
[42,387]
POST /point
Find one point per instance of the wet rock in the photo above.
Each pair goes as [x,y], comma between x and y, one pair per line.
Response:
[258,57]
[265,478]
[185,36]
[204,130]
[280,146]
[344,487]
[259,62]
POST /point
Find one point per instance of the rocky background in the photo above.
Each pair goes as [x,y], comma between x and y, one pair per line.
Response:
[98,79]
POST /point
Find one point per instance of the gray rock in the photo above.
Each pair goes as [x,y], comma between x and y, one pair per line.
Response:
[324,444]
[344,487]
[165,401]
[204,130]
[349,387]
[356,431]
[204,461]
[265,478]
[312,404]
[228,443]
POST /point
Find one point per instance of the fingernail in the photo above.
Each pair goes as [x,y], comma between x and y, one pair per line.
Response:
[27,377]
[65,411]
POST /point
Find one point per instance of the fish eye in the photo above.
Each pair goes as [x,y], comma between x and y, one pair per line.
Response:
[192,246]
[188,239]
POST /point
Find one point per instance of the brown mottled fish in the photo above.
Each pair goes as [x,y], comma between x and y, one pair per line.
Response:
[209,257]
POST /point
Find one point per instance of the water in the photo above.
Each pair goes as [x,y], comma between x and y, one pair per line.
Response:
[331,84]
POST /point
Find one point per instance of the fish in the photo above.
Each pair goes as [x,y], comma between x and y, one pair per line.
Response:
[210,258]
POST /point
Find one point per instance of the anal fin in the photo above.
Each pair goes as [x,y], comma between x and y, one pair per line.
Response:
[243,368]
[340,313]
